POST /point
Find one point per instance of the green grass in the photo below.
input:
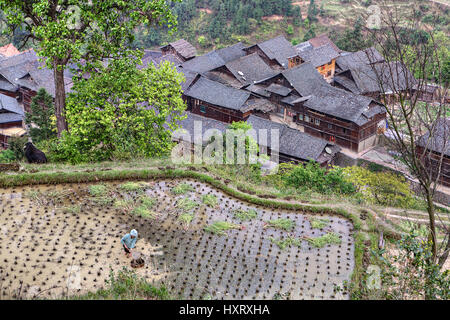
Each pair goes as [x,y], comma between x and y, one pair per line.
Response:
[126,285]
[127,204]
[210,200]
[186,204]
[102,200]
[72,209]
[317,223]
[322,241]
[220,228]
[186,218]
[147,202]
[182,188]
[284,243]
[144,212]
[283,224]
[243,215]
[98,190]
[132,186]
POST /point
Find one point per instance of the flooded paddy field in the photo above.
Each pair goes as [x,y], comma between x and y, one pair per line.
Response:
[196,240]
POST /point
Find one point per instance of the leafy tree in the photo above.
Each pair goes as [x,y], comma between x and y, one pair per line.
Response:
[352,39]
[69,31]
[312,11]
[297,16]
[311,33]
[121,113]
[240,129]
[41,119]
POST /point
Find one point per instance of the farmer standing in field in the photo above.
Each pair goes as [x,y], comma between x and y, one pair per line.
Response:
[129,241]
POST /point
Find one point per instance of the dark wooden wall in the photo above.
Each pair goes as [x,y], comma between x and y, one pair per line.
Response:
[432,160]
[216,112]
[346,134]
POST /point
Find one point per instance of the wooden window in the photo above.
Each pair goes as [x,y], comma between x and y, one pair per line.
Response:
[317,122]
[306,118]
[330,126]
[329,73]
[202,109]
[344,130]
[300,116]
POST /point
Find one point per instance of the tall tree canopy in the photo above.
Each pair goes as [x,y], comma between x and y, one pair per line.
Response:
[122,112]
[82,30]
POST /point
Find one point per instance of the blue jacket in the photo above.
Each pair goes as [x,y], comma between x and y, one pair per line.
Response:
[128,241]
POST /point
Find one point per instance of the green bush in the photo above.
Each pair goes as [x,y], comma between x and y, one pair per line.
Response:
[312,176]
[17,145]
[127,285]
[409,272]
[7,156]
[383,188]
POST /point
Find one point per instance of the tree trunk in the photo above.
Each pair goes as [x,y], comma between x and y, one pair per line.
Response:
[60,98]
[430,209]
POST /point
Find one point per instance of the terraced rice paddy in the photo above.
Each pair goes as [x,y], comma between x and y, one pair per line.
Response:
[200,243]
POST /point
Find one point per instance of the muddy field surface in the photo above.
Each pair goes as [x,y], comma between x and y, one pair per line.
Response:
[200,243]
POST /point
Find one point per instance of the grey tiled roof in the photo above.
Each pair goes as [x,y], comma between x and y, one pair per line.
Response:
[290,99]
[278,49]
[293,143]
[250,69]
[382,77]
[17,60]
[214,59]
[363,57]
[25,70]
[279,89]
[304,78]
[319,56]
[9,104]
[321,40]
[259,104]
[340,103]
[231,53]
[304,46]
[9,117]
[154,54]
[440,141]
[218,94]
[168,57]
[205,63]
[188,75]
[184,48]
[347,83]
[206,124]
[260,90]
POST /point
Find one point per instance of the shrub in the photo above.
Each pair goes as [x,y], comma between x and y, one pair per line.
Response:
[409,273]
[7,156]
[312,176]
[43,117]
[17,145]
[384,188]
[202,41]
[127,285]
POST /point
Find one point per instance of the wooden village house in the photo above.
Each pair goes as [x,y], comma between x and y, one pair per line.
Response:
[430,151]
